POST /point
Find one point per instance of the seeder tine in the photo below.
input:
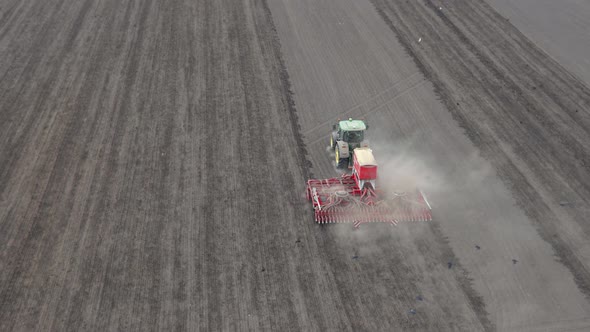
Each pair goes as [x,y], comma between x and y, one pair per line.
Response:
[331,209]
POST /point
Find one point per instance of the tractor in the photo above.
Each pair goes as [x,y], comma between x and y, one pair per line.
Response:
[357,197]
[346,136]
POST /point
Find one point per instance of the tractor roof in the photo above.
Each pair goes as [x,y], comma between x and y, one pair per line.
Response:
[350,125]
[364,156]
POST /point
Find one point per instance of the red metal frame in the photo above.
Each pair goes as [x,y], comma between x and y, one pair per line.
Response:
[341,200]
[366,172]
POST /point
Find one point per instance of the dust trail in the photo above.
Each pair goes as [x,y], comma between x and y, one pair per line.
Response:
[405,164]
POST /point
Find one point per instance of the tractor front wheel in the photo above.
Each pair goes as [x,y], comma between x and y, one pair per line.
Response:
[332,142]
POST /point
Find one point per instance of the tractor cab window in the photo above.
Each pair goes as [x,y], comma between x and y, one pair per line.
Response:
[353,136]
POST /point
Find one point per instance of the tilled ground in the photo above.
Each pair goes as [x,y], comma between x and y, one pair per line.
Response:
[527,114]
[560,31]
[494,94]
[152,167]
[150,177]
[153,176]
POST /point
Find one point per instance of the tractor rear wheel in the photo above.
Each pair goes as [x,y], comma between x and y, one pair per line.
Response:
[343,163]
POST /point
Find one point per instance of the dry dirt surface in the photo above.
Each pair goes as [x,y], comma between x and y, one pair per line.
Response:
[150,175]
[558,28]
[526,113]
[152,168]
[493,128]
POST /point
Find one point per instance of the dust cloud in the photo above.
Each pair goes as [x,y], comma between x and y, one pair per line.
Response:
[404,166]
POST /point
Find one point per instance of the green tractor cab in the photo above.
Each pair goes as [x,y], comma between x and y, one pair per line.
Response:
[346,136]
